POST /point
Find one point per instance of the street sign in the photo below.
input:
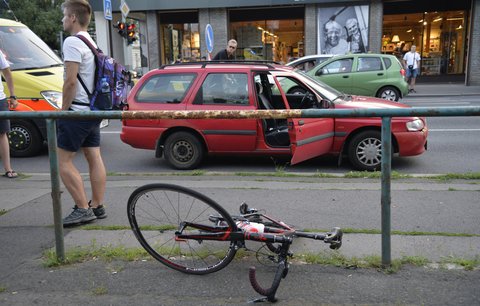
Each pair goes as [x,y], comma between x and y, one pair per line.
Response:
[209,38]
[124,9]
[107,9]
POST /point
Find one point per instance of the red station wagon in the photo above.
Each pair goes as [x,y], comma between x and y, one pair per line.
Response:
[252,86]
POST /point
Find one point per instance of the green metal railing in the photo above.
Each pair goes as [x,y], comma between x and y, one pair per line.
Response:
[385,114]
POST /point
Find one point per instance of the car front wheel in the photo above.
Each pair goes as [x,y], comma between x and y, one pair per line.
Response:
[365,151]
[183,151]
[24,138]
[389,93]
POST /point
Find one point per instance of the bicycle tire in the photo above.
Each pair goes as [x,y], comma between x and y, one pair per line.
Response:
[155,212]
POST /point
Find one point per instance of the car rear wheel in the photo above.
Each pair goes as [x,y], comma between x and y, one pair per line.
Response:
[183,151]
[24,138]
[389,93]
[365,151]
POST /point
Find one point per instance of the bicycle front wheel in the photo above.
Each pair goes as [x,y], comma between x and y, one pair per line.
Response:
[157,211]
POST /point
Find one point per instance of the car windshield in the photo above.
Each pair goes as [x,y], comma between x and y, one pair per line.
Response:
[25,50]
[323,89]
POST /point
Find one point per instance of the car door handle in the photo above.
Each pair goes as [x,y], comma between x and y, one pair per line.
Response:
[345,76]
[301,122]
[380,73]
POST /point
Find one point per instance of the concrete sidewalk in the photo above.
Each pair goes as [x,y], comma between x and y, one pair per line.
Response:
[418,205]
[444,89]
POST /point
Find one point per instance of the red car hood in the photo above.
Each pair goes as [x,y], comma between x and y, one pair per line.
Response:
[368,102]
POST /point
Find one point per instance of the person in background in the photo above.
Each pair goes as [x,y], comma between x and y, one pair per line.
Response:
[5,123]
[411,62]
[227,54]
[74,135]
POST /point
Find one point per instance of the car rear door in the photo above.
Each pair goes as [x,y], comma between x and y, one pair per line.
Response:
[226,91]
[369,76]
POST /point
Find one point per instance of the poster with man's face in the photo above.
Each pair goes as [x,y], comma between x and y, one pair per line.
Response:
[343,29]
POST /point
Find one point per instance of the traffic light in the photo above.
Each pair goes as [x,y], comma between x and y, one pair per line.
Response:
[121,28]
[131,35]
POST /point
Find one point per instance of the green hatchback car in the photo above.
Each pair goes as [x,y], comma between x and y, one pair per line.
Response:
[376,75]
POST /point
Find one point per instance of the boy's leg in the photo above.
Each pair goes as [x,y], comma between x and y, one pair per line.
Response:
[71,178]
[98,175]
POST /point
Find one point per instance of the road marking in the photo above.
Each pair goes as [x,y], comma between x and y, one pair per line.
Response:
[454,130]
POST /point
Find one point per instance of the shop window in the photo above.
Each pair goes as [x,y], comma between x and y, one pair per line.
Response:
[268,39]
[165,88]
[180,36]
[439,37]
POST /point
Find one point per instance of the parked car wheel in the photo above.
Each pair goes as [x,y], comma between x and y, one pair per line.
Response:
[365,151]
[183,151]
[24,138]
[389,93]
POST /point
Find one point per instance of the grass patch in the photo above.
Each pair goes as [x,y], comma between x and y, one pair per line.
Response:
[394,232]
[371,261]
[467,264]
[458,176]
[99,290]
[179,173]
[93,252]
[3,289]
[3,211]
[375,175]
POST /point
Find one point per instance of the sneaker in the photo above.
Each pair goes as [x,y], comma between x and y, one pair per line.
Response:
[99,211]
[79,216]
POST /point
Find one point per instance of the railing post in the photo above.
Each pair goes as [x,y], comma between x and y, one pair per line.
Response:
[386,196]
[55,180]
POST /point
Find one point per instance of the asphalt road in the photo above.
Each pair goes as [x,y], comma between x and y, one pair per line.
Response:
[453,145]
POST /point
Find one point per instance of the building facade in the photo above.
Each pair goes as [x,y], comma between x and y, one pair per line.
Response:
[446,33]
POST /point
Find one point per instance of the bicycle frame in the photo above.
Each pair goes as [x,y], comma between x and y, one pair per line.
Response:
[283,234]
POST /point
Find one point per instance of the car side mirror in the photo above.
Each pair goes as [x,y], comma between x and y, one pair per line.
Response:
[319,72]
[324,104]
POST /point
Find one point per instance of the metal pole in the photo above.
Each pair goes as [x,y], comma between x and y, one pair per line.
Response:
[386,196]
[55,180]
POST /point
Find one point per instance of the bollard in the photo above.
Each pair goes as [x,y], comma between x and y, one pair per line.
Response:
[55,181]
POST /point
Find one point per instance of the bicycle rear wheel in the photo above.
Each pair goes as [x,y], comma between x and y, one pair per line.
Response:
[155,213]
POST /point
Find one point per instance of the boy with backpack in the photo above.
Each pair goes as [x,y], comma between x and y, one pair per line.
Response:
[75,134]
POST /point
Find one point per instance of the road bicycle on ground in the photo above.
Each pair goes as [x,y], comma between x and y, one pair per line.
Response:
[189,232]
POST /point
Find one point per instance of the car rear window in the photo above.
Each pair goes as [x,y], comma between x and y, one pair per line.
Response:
[387,62]
[369,64]
[224,88]
[165,88]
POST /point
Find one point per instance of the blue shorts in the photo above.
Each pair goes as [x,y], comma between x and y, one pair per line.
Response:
[74,134]
[411,73]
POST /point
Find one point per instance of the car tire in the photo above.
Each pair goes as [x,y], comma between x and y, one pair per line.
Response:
[389,93]
[183,151]
[297,91]
[365,151]
[24,138]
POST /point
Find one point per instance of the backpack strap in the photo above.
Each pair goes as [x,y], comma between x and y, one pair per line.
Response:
[95,52]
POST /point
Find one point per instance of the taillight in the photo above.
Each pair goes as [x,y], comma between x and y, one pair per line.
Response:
[402,72]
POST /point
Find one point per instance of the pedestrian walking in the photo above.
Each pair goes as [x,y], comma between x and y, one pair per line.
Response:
[411,62]
[83,134]
[227,54]
[5,123]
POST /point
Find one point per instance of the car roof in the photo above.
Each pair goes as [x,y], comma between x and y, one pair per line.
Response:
[308,57]
[238,65]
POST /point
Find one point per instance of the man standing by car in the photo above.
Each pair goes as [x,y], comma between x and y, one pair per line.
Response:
[411,62]
[75,134]
[227,54]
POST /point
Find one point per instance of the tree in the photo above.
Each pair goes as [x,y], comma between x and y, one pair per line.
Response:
[43,17]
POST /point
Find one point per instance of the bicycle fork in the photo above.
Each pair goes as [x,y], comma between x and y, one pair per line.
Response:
[282,271]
